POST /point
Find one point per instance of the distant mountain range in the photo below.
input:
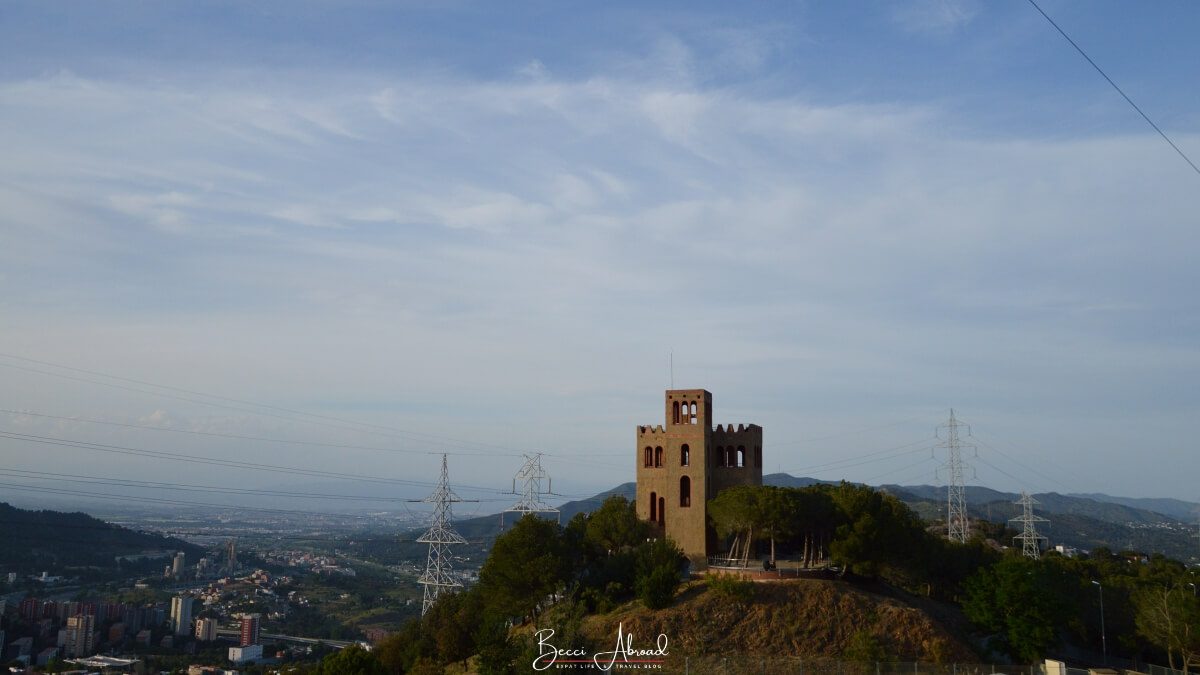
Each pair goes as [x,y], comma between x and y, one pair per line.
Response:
[1080,521]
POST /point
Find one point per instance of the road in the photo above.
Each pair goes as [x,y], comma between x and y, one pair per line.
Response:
[336,644]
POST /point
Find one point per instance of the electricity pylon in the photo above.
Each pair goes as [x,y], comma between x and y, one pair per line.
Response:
[531,475]
[1030,540]
[438,572]
[958,526]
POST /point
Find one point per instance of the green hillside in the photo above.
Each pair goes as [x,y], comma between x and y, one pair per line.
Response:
[69,543]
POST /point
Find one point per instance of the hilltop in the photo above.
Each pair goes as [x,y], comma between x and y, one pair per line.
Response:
[807,618]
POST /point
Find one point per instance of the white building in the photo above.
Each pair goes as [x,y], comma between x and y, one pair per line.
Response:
[247,654]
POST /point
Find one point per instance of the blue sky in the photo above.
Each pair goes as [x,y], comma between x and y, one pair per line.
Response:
[492,223]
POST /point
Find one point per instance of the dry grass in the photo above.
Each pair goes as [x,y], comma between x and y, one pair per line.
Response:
[809,618]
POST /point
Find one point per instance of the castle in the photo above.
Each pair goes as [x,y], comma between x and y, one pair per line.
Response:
[684,463]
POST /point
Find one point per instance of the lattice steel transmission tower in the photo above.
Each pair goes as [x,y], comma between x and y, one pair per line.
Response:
[1031,541]
[958,525]
[532,476]
[438,572]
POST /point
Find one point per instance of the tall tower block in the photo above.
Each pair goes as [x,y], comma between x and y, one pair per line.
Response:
[685,462]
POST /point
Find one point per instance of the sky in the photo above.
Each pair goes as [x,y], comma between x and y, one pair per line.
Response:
[366,233]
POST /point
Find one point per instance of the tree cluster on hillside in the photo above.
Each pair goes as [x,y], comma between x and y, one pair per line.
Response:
[1150,608]
[864,531]
[593,563]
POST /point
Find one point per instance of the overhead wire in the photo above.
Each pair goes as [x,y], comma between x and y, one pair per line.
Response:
[850,432]
[240,437]
[160,500]
[254,466]
[866,458]
[116,528]
[192,487]
[292,416]
[924,460]
[263,409]
[1117,88]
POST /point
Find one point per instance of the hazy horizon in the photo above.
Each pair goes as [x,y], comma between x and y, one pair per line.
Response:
[487,230]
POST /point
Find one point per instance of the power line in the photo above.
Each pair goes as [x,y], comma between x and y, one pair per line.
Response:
[290,416]
[1046,481]
[266,439]
[161,500]
[254,466]
[902,482]
[850,462]
[840,434]
[895,471]
[190,487]
[1114,86]
[180,534]
[240,437]
[984,461]
[239,405]
[1043,457]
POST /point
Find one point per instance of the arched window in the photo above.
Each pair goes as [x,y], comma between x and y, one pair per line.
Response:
[653,507]
[658,456]
[675,412]
[685,455]
[720,456]
[693,412]
[741,456]
[730,456]
[758,456]
[685,491]
[662,510]
[649,457]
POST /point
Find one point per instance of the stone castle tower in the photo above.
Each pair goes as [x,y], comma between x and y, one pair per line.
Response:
[683,464]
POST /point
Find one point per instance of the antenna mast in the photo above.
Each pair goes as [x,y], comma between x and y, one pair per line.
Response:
[958,526]
[1030,540]
[531,474]
[438,572]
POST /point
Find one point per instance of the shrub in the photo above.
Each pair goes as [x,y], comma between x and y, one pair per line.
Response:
[658,566]
[731,587]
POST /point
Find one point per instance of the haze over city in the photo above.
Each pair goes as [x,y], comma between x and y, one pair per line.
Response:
[490,232]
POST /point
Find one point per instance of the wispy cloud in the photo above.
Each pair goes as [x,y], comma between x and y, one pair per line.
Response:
[935,16]
[483,243]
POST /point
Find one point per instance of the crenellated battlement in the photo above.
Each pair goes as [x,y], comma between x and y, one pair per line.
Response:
[684,462]
[741,428]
